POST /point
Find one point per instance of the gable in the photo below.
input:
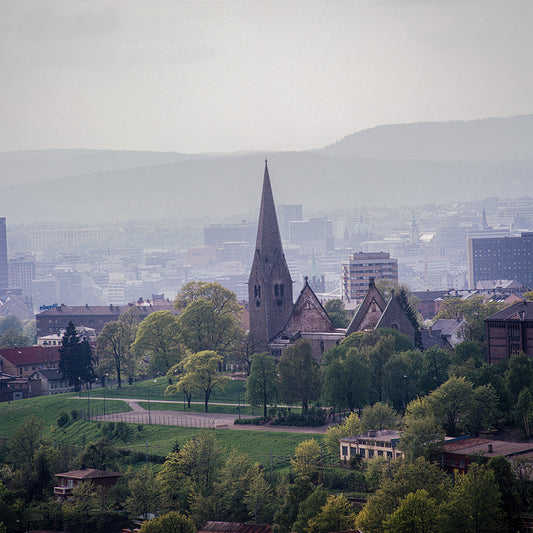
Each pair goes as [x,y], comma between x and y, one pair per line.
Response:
[394,317]
[369,312]
[308,314]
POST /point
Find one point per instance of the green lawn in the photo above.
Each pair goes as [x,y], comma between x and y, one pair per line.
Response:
[262,446]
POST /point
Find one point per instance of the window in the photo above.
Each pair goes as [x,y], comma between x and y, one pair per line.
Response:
[345,451]
[370,453]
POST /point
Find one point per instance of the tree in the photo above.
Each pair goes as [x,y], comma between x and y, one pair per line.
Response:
[262,383]
[474,503]
[209,317]
[307,458]
[337,313]
[258,496]
[345,382]
[417,513]
[336,515]
[13,338]
[287,513]
[379,416]
[309,508]
[200,373]
[144,492]
[523,414]
[75,358]
[157,339]
[299,377]
[450,404]
[10,322]
[350,427]
[376,358]
[519,375]
[420,430]
[114,345]
[172,522]
[405,477]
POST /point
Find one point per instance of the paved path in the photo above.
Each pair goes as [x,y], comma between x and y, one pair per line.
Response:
[140,415]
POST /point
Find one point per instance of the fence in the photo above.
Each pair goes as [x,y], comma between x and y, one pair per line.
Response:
[152,418]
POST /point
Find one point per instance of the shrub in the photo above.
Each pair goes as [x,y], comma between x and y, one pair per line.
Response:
[63,419]
[74,414]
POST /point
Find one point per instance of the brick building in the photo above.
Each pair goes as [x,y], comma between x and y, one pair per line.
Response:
[510,332]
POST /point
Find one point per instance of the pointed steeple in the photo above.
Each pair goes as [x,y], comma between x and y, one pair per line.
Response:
[270,283]
[268,235]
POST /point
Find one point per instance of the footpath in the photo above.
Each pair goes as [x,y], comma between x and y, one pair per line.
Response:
[140,415]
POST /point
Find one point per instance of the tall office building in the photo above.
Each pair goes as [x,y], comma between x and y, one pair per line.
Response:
[501,258]
[4,279]
[361,267]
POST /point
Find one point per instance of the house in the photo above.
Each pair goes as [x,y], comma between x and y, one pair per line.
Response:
[24,361]
[383,443]
[67,481]
[458,454]
[17,388]
[52,381]
[510,332]
[451,330]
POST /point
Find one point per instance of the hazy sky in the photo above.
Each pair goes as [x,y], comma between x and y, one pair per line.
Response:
[220,76]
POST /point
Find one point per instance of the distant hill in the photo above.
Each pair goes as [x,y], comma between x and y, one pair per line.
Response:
[396,165]
[476,140]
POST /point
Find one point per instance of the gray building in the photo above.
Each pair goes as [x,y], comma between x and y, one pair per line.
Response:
[4,279]
[509,258]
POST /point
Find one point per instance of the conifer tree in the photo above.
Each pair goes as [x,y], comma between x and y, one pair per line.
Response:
[75,358]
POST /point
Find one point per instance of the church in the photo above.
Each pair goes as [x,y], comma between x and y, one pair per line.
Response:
[276,322]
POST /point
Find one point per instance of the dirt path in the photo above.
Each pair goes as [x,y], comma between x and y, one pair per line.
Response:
[140,415]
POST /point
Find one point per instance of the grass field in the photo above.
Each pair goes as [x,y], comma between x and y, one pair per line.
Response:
[262,446]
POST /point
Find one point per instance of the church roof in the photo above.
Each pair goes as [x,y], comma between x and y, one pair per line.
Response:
[394,317]
[308,314]
[373,296]
[268,240]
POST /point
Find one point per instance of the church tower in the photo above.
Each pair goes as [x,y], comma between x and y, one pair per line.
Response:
[270,283]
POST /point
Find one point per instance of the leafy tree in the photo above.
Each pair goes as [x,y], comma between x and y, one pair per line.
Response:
[200,373]
[350,427]
[483,411]
[416,513]
[287,513]
[405,478]
[337,313]
[507,485]
[377,357]
[519,375]
[299,376]
[310,508]
[186,383]
[100,454]
[10,322]
[258,497]
[209,317]
[434,370]
[346,381]
[144,492]
[307,458]
[114,345]
[523,414]
[157,339]
[172,522]
[420,430]
[13,338]
[378,416]
[200,459]
[336,515]
[262,383]
[450,403]
[75,358]
[474,503]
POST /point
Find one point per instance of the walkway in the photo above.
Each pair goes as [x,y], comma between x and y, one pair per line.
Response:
[140,415]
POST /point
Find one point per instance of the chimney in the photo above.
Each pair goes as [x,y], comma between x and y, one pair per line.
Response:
[371,282]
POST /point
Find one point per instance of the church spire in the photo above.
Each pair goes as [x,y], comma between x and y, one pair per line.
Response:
[270,283]
[268,235]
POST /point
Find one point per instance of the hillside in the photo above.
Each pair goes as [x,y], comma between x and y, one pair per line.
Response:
[397,165]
